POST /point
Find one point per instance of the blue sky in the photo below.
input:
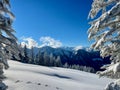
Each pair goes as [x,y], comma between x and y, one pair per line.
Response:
[62,20]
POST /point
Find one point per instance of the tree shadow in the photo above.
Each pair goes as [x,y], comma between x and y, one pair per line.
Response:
[61,76]
[57,75]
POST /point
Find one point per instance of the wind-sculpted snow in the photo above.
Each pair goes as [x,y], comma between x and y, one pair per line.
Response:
[32,77]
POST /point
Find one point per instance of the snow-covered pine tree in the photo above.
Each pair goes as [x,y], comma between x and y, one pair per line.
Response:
[58,62]
[105,31]
[26,57]
[52,59]
[21,53]
[32,56]
[8,45]
[66,65]
[41,58]
[46,59]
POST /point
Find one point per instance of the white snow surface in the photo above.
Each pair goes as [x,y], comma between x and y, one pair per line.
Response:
[33,77]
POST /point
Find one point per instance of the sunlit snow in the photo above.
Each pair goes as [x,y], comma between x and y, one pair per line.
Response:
[32,77]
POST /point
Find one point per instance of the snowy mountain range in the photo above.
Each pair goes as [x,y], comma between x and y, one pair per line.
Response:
[78,56]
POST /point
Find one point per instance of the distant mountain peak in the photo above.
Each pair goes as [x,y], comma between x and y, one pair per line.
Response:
[78,47]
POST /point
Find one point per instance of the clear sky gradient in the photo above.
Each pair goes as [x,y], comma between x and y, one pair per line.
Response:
[63,20]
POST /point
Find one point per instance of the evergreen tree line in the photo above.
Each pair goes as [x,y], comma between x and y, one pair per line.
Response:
[28,56]
[78,67]
[45,59]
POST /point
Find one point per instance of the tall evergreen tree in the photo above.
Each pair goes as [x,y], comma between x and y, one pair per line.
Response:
[39,58]
[105,31]
[52,59]
[8,45]
[26,58]
[58,62]
[21,53]
[46,59]
[32,57]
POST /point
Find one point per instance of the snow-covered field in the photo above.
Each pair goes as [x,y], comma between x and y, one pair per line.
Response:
[32,77]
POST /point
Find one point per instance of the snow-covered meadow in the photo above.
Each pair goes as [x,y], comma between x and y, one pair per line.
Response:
[32,77]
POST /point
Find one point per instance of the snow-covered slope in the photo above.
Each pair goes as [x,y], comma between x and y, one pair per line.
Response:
[32,77]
